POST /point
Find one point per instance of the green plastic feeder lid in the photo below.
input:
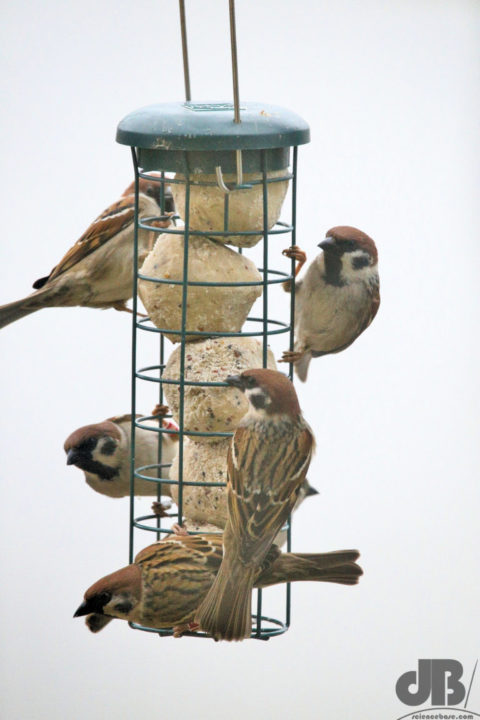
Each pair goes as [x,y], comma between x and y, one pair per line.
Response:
[196,137]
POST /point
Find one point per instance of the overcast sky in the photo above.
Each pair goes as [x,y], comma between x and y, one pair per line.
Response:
[391,92]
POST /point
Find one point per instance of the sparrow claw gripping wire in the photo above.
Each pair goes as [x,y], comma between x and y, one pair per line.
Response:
[160,509]
[300,256]
[290,356]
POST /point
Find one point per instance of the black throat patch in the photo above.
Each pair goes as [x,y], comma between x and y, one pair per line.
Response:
[333,268]
[104,472]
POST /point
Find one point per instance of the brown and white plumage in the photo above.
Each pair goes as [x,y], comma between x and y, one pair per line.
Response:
[267,464]
[168,580]
[102,450]
[337,298]
[97,271]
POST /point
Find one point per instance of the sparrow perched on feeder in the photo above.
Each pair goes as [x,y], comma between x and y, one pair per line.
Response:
[102,451]
[267,463]
[337,298]
[203,505]
[97,271]
[169,579]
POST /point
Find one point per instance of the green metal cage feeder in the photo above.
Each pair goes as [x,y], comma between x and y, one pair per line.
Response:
[193,140]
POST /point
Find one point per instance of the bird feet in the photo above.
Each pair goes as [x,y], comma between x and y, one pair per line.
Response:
[178,630]
[290,356]
[160,410]
[160,509]
[178,529]
[301,257]
[164,221]
[121,307]
[295,252]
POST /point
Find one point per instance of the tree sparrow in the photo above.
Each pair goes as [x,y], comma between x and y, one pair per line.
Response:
[102,451]
[338,297]
[169,579]
[266,467]
[97,271]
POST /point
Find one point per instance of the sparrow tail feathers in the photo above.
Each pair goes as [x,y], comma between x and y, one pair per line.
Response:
[301,366]
[225,613]
[337,567]
[14,311]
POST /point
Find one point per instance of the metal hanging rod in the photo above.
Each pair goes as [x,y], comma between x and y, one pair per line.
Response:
[233,42]
[186,71]
[236,93]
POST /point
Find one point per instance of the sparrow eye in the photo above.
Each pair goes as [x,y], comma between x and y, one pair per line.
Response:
[104,597]
[250,382]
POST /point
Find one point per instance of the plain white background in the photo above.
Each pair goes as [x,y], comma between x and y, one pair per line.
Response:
[391,93]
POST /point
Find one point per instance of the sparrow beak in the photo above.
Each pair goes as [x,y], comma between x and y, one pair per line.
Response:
[235,381]
[311,491]
[84,609]
[72,456]
[328,243]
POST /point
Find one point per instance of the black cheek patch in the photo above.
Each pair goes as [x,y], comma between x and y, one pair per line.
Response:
[258,400]
[123,607]
[108,447]
[360,262]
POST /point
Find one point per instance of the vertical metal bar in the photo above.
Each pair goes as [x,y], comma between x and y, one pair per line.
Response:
[265,257]
[289,585]
[160,385]
[265,321]
[292,340]
[292,269]
[225,212]
[233,42]
[162,193]
[182,347]
[259,614]
[186,71]
[160,435]
[134,359]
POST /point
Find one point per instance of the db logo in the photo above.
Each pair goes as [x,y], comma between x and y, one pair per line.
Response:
[437,678]
[440,682]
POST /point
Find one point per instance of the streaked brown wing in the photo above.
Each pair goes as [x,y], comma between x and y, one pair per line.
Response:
[177,573]
[184,551]
[114,219]
[263,482]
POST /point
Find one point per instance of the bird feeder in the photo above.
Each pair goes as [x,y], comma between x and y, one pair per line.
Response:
[229,166]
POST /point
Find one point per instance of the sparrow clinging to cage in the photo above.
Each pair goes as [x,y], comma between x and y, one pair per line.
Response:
[337,298]
[202,504]
[168,580]
[97,271]
[102,450]
[267,463]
